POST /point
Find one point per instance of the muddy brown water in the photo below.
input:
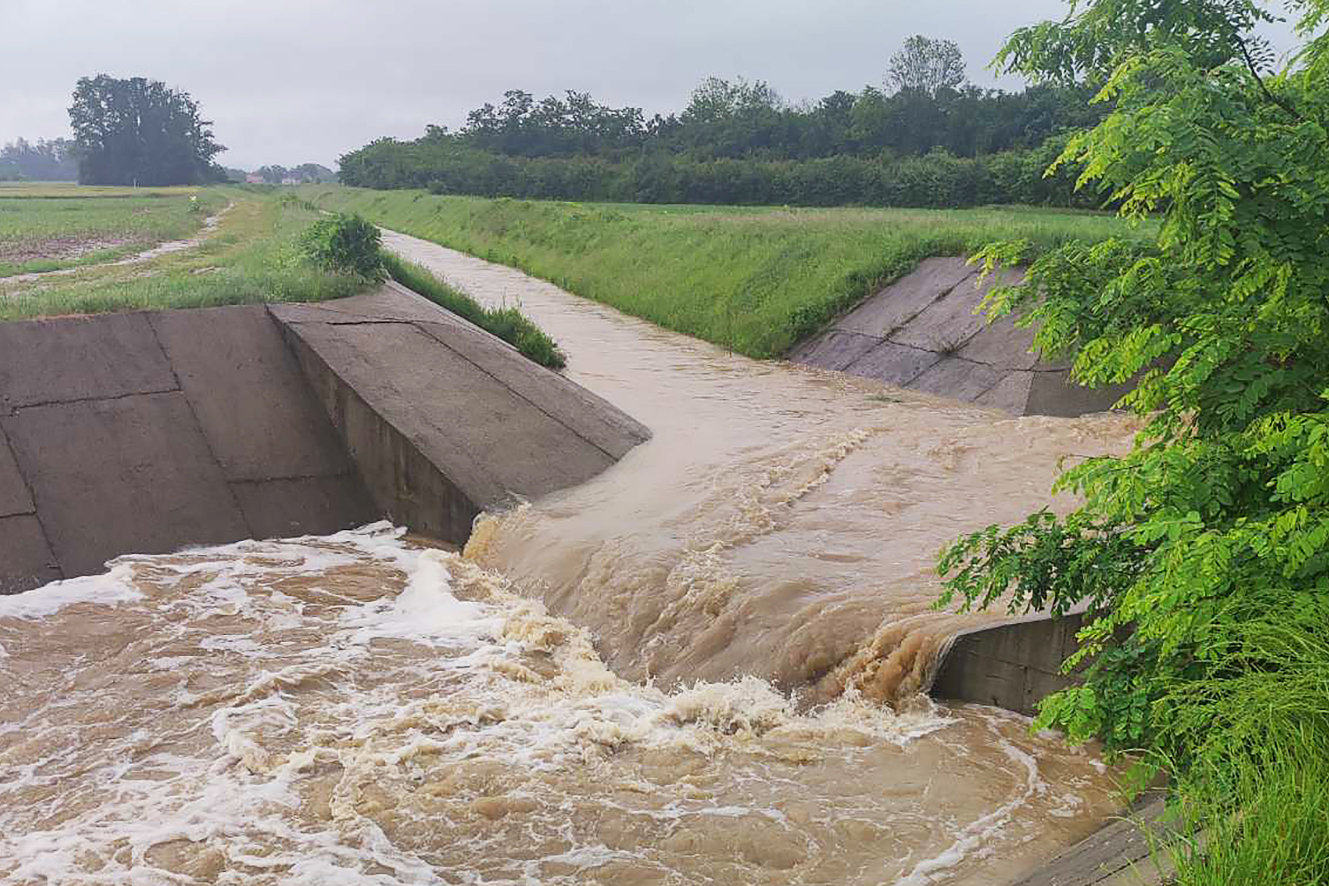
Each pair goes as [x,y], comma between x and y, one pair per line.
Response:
[699,668]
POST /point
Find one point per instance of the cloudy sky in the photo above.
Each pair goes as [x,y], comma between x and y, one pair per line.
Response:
[291,81]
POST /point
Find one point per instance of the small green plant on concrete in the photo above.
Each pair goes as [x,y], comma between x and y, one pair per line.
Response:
[507,322]
[346,244]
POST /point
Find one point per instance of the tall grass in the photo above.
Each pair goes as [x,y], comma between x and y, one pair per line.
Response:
[508,323]
[1252,753]
[755,280]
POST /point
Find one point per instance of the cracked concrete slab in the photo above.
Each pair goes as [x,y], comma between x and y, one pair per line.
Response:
[445,420]
[906,298]
[26,561]
[80,358]
[926,332]
[14,496]
[246,389]
[893,364]
[835,349]
[304,506]
[146,433]
[956,378]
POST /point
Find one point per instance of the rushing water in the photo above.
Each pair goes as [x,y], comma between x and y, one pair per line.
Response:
[361,710]
[367,709]
[782,523]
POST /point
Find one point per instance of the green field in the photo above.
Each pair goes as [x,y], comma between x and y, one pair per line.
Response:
[756,280]
[46,227]
[253,256]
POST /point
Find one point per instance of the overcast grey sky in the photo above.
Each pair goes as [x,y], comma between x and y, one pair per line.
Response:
[291,81]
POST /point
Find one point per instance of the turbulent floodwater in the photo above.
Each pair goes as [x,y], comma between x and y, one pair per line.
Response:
[701,667]
[362,710]
[782,523]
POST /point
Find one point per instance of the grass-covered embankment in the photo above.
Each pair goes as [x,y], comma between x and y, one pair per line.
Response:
[508,323]
[756,280]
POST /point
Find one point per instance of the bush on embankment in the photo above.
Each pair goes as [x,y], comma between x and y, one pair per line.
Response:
[346,243]
[755,280]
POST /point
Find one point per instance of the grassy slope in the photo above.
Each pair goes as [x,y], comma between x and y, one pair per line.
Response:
[253,257]
[46,227]
[753,279]
[508,323]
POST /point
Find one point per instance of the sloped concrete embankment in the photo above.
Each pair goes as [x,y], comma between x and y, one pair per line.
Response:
[150,432]
[922,333]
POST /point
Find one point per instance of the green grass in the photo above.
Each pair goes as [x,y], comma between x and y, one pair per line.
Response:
[1255,780]
[258,254]
[253,257]
[508,323]
[47,227]
[755,280]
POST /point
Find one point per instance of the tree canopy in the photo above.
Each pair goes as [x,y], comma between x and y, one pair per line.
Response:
[940,143]
[926,65]
[1203,554]
[140,132]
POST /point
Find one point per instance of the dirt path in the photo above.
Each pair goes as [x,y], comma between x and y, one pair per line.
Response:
[210,225]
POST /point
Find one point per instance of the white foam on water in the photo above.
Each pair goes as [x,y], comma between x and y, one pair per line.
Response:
[109,589]
[420,723]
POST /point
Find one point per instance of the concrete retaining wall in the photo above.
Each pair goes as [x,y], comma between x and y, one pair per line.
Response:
[921,333]
[444,419]
[1011,666]
[149,432]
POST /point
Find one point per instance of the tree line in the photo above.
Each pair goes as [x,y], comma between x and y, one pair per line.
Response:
[925,138]
[42,160]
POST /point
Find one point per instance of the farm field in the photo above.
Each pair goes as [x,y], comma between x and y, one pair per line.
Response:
[252,256]
[46,227]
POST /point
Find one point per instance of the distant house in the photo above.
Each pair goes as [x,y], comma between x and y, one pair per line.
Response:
[253,178]
[290,181]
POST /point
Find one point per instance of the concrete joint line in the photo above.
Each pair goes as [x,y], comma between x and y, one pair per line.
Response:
[35,513]
[258,481]
[198,425]
[521,396]
[107,399]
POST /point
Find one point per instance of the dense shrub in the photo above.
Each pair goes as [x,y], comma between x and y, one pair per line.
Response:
[937,180]
[345,243]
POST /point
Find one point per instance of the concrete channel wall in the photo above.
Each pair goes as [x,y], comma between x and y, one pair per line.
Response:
[1011,666]
[922,333]
[150,432]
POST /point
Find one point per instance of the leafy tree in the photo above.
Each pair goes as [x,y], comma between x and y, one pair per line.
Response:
[717,99]
[927,66]
[140,132]
[1203,554]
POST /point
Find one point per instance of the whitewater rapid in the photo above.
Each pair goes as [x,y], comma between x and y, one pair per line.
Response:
[365,709]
